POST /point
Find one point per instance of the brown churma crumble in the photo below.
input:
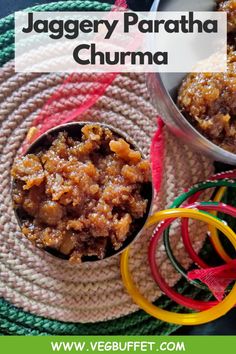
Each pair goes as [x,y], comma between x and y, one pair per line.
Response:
[208,100]
[80,197]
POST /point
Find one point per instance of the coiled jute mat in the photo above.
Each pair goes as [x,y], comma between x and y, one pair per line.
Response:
[44,295]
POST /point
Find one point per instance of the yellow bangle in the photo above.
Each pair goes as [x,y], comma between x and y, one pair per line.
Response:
[186,318]
[214,232]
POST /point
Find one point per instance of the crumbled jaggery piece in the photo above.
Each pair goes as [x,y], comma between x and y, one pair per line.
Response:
[123,150]
[68,244]
[32,200]
[28,169]
[122,227]
[50,212]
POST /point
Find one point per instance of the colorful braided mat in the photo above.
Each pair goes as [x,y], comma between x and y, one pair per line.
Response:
[42,296]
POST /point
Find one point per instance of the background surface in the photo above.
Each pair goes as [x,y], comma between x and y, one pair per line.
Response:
[227,324]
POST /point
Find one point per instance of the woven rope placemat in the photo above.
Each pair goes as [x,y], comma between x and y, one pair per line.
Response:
[31,279]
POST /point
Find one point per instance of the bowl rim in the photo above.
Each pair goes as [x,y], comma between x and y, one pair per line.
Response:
[150,197]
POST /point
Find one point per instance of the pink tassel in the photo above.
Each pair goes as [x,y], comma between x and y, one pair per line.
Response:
[217,279]
[157,153]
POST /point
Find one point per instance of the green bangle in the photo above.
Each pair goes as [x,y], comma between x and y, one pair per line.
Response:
[177,203]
